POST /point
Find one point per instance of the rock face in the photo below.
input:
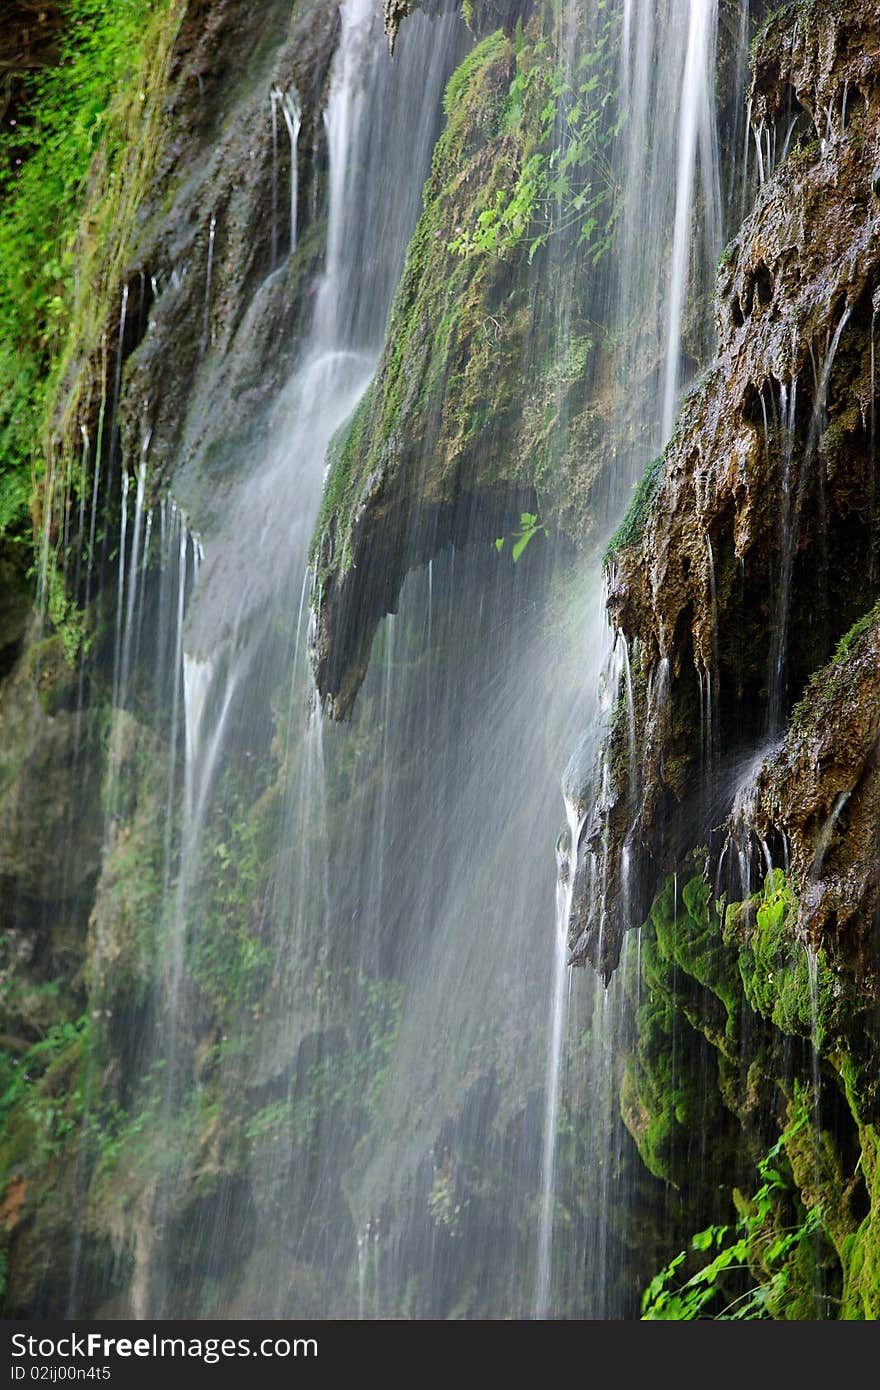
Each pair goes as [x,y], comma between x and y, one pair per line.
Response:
[765,503]
[457,438]
[413,472]
[744,583]
[222,193]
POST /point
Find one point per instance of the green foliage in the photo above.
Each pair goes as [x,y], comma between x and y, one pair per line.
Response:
[755,1250]
[66,616]
[565,181]
[41,1097]
[443,1204]
[227,955]
[529,527]
[775,967]
[630,530]
[45,162]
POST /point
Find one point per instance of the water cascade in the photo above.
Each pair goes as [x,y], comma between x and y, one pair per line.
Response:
[342,1060]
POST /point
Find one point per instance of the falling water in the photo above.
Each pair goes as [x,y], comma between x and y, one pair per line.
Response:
[413,1037]
[274,97]
[292,113]
[209,274]
[793,503]
[696,131]
[564,892]
[670,162]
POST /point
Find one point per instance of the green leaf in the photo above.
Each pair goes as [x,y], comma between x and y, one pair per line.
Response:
[713,1235]
[520,545]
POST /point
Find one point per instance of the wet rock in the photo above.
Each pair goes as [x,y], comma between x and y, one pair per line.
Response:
[819,794]
[766,502]
[218,192]
[49,846]
[453,444]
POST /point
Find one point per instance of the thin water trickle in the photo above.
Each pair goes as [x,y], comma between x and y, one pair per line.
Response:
[292,113]
[793,504]
[274,97]
[559,1012]
[632,743]
[209,274]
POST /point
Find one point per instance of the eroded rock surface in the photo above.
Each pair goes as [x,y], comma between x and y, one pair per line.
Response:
[765,503]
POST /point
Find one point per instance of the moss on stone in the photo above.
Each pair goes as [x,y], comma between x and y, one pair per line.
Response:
[860,1251]
[782,981]
[748,957]
[686,1030]
[454,444]
[630,531]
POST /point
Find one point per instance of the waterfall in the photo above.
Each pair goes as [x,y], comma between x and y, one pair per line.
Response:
[230,659]
[696,131]
[669,236]
[363,992]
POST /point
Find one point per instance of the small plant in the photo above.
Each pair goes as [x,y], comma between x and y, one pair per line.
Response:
[529,527]
[565,181]
[442,1205]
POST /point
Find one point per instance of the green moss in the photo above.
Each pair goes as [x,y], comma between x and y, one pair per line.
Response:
[457,86]
[782,982]
[657,1105]
[81,120]
[440,339]
[692,1008]
[343,455]
[847,644]
[780,14]
[802,1245]
[827,686]
[630,530]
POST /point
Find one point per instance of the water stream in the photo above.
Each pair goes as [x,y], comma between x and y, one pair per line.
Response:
[415,1138]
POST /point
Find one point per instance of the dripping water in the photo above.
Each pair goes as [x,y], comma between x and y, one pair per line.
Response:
[206,312]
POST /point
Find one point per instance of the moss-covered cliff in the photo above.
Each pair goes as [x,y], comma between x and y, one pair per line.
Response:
[158,152]
[737,827]
[473,418]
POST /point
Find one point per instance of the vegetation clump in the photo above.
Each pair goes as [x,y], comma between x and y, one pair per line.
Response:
[69,151]
[631,529]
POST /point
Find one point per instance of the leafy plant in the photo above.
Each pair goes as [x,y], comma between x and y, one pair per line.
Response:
[40,1099]
[754,1243]
[565,181]
[529,527]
